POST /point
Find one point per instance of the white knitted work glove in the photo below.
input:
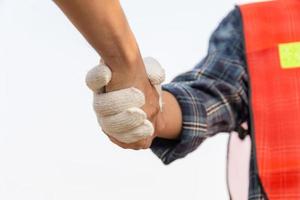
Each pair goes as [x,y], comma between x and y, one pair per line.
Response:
[118,112]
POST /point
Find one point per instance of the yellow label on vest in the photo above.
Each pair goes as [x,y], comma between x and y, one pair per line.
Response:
[289,55]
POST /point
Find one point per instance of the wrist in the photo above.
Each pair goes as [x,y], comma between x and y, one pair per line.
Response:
[124,55]
[129,75]
[124,63]
[169,123]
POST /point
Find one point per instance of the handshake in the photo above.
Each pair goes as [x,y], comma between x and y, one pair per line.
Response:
[129,117]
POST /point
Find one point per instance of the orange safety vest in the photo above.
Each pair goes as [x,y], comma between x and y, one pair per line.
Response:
[272,39]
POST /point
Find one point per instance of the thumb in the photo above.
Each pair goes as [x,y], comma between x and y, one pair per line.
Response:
[98,77]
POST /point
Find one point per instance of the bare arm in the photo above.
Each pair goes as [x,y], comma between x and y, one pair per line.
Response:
[172,116]
[104,25]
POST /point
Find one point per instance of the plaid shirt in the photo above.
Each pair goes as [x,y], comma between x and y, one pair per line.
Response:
[213,97]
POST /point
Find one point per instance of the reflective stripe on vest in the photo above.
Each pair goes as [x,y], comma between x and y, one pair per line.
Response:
[272,38]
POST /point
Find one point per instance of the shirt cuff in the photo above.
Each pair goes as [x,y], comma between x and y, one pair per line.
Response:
[194,125]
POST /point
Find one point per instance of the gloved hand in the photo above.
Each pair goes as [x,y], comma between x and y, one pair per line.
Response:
[119,112]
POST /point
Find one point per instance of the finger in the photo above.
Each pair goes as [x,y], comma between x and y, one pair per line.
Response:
[155,72]
[124,121]
[98,77]
[135,134]
[133,146]
[141,144]
[158,89]
[120,144]
[147,142]
[112,103]
[156,75]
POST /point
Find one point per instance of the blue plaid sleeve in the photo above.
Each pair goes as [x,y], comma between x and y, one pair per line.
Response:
[213,95]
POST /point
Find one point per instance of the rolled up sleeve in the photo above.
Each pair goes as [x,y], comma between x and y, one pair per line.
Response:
[213,95]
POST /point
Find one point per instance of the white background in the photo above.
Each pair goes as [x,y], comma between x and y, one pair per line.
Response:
[51,147]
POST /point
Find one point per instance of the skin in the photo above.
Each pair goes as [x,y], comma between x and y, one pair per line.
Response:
[104,25]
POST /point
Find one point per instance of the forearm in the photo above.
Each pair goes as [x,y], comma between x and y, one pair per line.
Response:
[104,25]
[172,117]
